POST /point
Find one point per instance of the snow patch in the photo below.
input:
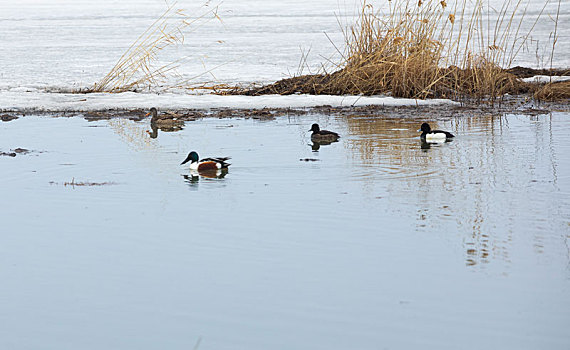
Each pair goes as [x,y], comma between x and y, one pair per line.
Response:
[55,102]
[545,79]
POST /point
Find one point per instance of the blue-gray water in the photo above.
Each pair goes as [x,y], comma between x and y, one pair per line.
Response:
[379,244]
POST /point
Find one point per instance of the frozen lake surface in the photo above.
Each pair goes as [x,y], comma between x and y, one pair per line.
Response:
[376,243]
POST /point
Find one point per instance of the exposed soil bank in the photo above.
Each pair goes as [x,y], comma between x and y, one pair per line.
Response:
[329,84]
[524,72]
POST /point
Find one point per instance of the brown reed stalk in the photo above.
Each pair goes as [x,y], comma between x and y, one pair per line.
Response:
[137,66]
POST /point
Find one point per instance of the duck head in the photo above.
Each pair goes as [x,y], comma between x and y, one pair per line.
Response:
[152,112]
[192,157]
[315,128]
[425,128]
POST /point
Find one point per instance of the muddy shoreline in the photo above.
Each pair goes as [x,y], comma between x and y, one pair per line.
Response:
[518,105]
[522,102]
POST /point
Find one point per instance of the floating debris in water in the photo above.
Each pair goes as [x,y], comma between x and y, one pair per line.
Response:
[309,160]
[7,117]
[15,152]
[21,150]
[74,183]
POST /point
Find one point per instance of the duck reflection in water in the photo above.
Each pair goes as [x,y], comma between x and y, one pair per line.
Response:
[425,145]
[315,146]
[191,179]
[153,133]
[210,174]
[194,177]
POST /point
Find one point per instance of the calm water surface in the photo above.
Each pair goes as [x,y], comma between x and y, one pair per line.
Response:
[375,243]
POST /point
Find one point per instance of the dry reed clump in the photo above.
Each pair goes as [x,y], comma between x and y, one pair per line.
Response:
[554,91]
[138,65]
[422,49]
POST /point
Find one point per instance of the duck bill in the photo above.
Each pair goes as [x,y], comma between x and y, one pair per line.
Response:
[185,160]
[146,115]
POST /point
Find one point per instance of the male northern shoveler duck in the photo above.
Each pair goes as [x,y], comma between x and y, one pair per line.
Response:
[319,135]
[430,135]
[206,164]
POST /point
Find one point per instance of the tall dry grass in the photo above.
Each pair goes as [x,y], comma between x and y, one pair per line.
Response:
[431,48]
[426,49]
[139,65]
[553,91]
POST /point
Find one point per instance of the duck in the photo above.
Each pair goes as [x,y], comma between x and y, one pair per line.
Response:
[165,121]
[430,135]
[321,136]
[206,164]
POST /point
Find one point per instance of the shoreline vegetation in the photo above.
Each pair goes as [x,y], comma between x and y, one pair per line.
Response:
[429,49]
[417,49]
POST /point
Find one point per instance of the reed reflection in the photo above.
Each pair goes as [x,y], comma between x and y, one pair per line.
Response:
[476,185]
[388,144]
